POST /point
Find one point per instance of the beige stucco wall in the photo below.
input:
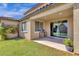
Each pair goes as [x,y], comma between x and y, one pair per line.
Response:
[46,26]
[73,26]
[46,23]
[35,34]
[27,34]
[10,22]
[70,25]
[76,27]
[32,34]
[12,35]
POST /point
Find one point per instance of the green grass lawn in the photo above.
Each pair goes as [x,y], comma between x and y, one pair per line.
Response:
[27,48]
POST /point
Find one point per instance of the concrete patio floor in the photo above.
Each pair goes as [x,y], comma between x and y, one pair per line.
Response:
[53,42]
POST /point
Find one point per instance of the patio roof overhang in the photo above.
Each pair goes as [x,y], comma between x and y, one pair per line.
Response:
[58,15]
[59,12]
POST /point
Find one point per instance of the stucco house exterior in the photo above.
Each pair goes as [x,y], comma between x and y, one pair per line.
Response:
[51,20]
[44,17]
[7,21]
[59,20]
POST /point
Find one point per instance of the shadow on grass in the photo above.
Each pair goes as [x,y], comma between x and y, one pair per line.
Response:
[14,39]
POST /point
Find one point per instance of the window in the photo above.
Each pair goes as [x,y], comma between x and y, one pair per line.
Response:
[24,27]
[60,29]
[38,26]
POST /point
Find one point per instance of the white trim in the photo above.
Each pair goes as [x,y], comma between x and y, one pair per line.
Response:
[24,31]
[23,26]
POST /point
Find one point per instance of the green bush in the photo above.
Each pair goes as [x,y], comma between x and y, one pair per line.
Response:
[4,30]
[68,42]
[11,29]
[3,33]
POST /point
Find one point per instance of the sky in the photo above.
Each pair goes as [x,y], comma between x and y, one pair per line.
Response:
[15,10]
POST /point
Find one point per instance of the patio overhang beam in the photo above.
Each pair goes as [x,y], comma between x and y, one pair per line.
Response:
[52,11]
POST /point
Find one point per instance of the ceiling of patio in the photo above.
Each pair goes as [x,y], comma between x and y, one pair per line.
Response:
[58,15]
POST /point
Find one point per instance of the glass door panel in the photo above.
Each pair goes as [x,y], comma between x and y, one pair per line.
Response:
[59,29]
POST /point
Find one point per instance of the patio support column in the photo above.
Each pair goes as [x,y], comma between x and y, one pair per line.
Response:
[32,26]
[76,27]
[70,27]
[28,33]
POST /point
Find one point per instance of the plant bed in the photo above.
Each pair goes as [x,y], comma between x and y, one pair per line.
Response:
[69,44]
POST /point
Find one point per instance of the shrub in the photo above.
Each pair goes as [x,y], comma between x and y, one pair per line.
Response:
[68,42]
[2,33]
[4,30]
[11,29]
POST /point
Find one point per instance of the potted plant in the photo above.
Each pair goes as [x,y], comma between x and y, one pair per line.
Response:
[69,44]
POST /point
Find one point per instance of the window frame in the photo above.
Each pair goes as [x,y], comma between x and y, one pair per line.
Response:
[24,26]
[38,26]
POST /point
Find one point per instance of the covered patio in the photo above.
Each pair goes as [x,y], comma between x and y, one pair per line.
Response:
[66,15]
[50,39]
[48,24]
[53,39]
[53,42]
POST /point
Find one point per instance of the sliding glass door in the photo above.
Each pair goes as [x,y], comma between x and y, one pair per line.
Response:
[59,29]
